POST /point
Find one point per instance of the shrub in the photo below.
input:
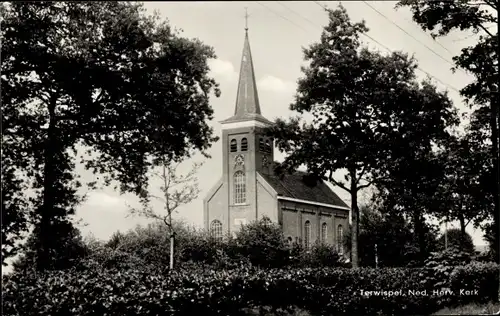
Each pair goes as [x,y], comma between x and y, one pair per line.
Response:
[69,243]
[320,255]
[104,256]
[478,280]
[263,243]
[198,291]
[456,239]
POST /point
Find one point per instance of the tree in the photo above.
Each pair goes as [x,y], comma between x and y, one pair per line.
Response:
[455,238]
[390,237]
[103,77]
[263,243]
[367,108]
[14,212]
[480,60]
[177,190]
[412,189]
[463,190]
[70,245]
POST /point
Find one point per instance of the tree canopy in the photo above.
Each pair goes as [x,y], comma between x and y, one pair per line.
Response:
[368,111]
[101,77]
[440,18]
[456,239]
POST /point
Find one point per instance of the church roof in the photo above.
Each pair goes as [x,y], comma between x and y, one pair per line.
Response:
[298,186]
[247,100]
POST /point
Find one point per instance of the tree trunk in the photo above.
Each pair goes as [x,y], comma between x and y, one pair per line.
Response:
[46,209]
[419,231]
[463,233]
[172,240]
[446,235]
[355,220]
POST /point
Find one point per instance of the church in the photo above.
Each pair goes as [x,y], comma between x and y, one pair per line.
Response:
[248,188]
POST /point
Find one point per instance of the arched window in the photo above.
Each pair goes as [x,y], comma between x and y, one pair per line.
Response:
[262,147]
[216,229]
[307,234]
[239,188]
[340,239]
[324,232]
[234,145]
[244,144]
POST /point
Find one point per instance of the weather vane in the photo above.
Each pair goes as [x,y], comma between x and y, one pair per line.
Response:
[246,18]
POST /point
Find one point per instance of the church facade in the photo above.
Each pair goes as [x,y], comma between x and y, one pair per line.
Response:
[249,189]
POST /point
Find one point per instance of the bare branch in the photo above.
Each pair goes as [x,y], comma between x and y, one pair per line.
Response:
[468,222]
[485,29]
[486,2]
[361,174]
[366,185]
[337,183]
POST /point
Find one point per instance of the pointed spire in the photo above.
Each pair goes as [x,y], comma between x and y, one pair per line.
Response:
[247,99]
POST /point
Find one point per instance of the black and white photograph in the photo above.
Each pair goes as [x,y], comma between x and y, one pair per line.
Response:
[266,158]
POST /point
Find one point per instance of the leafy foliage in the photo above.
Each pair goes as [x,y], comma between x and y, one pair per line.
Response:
[392,235]
[368,112]
[319,255]
[321,291]
[103,77]
[71,250]
[177,190]
[263,243]
[14,211]
[480,60]
[466,190]
[456,240]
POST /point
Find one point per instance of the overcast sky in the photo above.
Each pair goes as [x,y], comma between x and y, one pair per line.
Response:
[277,32]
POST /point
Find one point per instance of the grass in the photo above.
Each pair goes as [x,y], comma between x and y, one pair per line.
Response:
[471,309]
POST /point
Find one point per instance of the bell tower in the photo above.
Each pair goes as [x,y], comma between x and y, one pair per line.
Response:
[246,148]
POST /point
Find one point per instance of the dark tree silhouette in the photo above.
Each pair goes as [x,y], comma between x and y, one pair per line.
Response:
[368,112]
[100,77]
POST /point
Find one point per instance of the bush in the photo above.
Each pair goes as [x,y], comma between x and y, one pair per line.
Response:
[479,279]
[67,251]
[198,291]
[263,243]
[320,255]
[455,239]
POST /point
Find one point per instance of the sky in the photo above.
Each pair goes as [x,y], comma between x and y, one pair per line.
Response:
[277,33]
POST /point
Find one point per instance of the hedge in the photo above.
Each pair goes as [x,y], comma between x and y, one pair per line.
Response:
[321,291]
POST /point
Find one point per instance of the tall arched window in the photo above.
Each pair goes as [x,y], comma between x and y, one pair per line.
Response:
[216,229]
[324,232]
[340,239]
[307,234]
[234,145]
[244,144]
[239,188]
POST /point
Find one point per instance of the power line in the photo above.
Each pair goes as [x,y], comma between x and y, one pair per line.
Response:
[295,12]
[425,45]
[281,16]
[428,35]
[388,49]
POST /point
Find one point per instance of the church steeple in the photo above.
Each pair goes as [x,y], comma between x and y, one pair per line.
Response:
[247,98]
